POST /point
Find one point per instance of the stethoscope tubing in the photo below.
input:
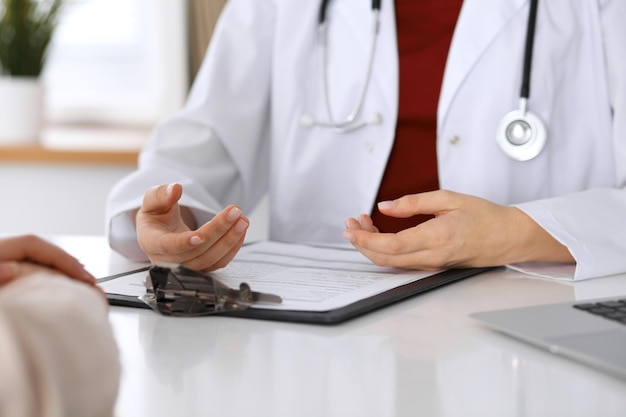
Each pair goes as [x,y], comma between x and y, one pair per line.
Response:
[324,9]
[521,134]
[368,75]
[349,122]
[528,49]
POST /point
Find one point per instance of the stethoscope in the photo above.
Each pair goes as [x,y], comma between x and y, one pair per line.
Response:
[350,122]
[521,133]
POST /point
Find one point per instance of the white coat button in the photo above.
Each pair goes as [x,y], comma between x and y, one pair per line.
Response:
[454,140]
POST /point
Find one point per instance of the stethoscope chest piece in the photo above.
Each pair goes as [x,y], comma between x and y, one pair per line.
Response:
[522,135]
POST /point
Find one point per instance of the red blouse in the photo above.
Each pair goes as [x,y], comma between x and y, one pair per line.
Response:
[425,30]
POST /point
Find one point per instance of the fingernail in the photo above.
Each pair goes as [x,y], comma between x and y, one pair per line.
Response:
[233,214]
[196,240]
[385,205]
[349,236]
[170,189]
[241,226]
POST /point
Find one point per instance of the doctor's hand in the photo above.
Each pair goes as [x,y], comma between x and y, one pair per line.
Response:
[165,231]
[465,232]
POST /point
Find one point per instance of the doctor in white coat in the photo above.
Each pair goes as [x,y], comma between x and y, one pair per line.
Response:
[241,135]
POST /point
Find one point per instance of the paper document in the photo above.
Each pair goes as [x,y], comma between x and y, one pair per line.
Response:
[307,278]
[312,278]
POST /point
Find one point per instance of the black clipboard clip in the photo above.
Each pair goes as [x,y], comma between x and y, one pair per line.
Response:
[175,290]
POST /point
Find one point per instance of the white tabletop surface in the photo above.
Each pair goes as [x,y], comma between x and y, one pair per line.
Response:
[420,357]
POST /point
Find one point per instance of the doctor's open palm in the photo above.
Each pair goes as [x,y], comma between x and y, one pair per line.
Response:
[465,232]
[165,231]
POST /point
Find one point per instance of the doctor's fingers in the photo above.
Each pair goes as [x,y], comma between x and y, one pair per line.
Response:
[160,199]
[228,221]
[367,223]
[431,202]
[204,253]
[427,259]
[219,235]
[414,248]
[217,256]
[187,249]
[364,222]
[218,240]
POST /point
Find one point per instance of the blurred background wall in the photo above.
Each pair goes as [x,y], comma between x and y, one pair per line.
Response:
[115,68]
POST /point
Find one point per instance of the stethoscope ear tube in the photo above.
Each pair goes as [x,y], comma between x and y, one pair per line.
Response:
[322,14]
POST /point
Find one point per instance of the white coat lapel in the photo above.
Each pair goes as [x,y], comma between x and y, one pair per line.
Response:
[479,23]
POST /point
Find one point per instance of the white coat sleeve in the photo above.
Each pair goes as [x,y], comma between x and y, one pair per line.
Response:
[57,352]
[592,224]
[216,145]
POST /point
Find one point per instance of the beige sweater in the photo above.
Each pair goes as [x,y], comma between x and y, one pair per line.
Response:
[58,357]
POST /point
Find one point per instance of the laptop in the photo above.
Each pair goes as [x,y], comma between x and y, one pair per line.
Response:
[592,331]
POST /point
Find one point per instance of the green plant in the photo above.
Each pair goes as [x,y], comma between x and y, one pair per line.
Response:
[26,28]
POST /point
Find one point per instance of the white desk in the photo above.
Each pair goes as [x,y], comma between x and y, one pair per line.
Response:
[420,357]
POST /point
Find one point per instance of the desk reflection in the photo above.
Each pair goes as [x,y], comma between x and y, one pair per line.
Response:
[232,366]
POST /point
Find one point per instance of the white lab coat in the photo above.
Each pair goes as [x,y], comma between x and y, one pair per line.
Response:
[239,135]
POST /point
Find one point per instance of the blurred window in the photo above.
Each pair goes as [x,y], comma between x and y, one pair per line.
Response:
[122,62]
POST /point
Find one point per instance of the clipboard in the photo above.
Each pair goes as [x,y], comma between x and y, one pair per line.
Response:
[297,265]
